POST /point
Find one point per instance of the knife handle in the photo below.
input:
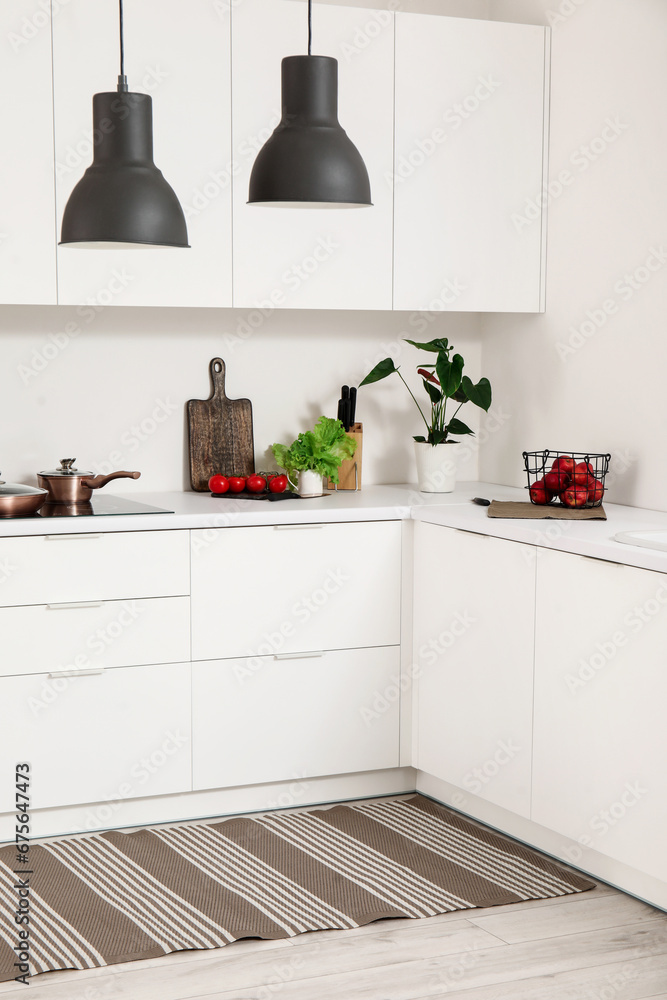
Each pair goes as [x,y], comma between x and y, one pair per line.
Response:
[353,405]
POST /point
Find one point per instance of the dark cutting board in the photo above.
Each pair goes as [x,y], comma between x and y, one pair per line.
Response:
[220,433]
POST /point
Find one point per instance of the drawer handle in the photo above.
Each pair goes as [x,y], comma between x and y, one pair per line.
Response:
[297,656]
[79,604]
[296,527]
[608,562]
[92,671]
[60,538]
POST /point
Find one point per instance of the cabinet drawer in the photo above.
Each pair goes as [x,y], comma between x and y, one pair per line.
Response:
[50,569]
[57,637]
[119,734]
[298,717]
[293,588]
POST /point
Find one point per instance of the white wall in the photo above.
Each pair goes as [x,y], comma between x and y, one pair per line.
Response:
[602,388]
[114,395]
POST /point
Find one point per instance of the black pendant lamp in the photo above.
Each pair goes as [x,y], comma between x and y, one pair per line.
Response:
[309,162]
[122,200]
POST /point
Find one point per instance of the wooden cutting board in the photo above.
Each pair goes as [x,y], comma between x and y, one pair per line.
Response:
[220,433]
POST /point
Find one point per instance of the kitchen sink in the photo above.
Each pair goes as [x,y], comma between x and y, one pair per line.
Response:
[651,539]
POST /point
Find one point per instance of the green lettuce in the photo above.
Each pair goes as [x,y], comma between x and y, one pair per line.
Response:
[321,450]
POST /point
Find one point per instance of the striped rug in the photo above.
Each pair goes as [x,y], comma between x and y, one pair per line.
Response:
[98,899]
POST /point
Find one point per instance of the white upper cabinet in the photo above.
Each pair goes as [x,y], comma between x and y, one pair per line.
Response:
[449,116]
[178,52]
[27,216]
[470,153]
[313,258]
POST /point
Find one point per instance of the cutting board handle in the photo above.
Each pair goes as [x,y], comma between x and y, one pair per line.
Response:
[217,370]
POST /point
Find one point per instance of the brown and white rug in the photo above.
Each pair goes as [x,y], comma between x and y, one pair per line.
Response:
[98,899]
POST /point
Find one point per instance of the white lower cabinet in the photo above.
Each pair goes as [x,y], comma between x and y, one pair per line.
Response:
[540,676]
[113,735]
[600,746]
[278,719]
[57,637]
[295,588]
[473,652]
[94,566]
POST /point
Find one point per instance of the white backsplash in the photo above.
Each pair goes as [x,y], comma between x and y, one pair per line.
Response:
[109,387]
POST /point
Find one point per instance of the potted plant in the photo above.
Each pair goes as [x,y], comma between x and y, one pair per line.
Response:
[315,454]
[443,380]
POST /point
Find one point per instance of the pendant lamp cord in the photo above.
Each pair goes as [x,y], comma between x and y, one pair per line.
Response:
[310,26]
[122,79]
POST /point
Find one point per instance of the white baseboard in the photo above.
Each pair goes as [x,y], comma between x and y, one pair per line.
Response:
[123,813]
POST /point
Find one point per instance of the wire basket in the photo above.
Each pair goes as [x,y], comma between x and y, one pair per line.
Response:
[566,478]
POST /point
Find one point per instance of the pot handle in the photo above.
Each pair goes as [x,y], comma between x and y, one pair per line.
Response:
[98,481]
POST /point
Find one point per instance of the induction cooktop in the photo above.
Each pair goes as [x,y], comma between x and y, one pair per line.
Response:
[103,505]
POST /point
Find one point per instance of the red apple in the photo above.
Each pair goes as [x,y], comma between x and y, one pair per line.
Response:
[595,490]
[575,496]
[582,471]
[564,463]
[539,493]
[556,480]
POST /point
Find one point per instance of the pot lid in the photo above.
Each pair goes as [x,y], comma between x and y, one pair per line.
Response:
[19,490]
[66,469]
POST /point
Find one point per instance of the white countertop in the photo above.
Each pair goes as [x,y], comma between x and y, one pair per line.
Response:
[201,510]
[586,538]
[373,503]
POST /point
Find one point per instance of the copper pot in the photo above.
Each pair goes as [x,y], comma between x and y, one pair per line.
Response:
[68,485]
[17,500]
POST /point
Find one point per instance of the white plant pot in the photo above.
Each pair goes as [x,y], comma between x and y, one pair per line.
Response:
[436,466]
[309,484]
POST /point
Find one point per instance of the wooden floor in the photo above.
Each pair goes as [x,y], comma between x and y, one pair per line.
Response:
[597,945]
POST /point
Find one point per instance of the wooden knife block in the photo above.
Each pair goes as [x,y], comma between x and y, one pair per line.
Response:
[349,474]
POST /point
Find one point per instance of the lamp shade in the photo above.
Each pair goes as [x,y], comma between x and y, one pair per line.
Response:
[309,161]
[123,200]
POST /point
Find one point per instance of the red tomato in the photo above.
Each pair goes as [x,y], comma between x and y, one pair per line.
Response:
[218,484]
[278,484]
[255,483]
[236,483]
